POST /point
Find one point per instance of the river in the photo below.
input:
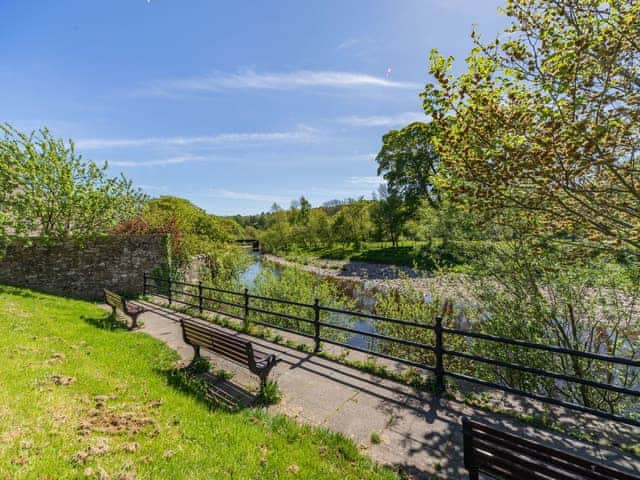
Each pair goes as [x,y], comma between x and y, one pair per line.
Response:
[363,293]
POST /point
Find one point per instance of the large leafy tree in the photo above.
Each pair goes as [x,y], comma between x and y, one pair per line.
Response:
[48,190]
[408,162]
[390,214]
[546,120]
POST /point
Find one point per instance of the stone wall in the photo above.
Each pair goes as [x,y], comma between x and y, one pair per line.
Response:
[81,269]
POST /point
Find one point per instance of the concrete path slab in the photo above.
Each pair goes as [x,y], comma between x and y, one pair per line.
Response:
[418,432]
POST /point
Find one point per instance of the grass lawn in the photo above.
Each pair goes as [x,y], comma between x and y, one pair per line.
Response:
[80,400]
[376,252]
[407,253]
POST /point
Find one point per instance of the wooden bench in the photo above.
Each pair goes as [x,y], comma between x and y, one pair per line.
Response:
[117,302]
[505,456]
[199,333]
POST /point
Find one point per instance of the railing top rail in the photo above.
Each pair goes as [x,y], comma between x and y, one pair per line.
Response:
[548,348]
[452,331]
[281,300]
[222,290]
[438,349]
[378,317]
[379,336]
[545,373]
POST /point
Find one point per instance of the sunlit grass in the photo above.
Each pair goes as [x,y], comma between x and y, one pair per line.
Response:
[78,399]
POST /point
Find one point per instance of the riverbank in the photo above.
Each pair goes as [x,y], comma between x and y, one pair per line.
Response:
[384,277]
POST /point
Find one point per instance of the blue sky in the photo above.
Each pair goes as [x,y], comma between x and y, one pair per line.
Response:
[234,105]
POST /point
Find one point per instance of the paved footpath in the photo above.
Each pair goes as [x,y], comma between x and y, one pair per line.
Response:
[418,431]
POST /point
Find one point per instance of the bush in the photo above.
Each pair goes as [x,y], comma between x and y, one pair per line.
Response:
[269,394]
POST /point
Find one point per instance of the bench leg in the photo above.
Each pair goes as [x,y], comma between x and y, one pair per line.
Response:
[134,321]
[473,474]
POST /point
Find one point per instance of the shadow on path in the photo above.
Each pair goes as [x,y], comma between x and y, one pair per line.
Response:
[420,433]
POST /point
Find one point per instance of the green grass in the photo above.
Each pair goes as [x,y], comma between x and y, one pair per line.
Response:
[406,254]
[79,398]
[376,252]
[426,256]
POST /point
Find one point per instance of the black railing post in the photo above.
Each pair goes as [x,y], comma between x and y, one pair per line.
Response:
[200,297]
[169,295]
[439,351]
[316,325]
[144,284]
[246,309]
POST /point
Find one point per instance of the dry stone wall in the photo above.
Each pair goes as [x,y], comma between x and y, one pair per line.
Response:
[82,268]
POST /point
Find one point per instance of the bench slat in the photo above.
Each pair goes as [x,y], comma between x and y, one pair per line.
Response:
[486,442]
[199,333]
[214,343]
[217,335]
[518,463]
[510,457]
[243,360]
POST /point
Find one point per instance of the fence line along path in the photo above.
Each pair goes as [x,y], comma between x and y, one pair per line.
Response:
[417,430]
[322,324]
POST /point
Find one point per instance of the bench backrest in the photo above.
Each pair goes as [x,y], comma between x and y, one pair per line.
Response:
[509,457]
[114,300]
[203,334]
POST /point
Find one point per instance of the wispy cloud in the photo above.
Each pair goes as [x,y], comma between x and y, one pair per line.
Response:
[365,180]
[397,119]
[153,188]
[302,134]
[246,196]
[249,79]
[156,162]
[349,43]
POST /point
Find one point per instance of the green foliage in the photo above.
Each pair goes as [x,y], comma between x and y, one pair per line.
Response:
[269,394]
[538,293]
[299,286]
[389,215]
[545,120]
[407,303]
[352,224]
[303,227]
[408,162]
[48,190]
[193,232]
[199,365]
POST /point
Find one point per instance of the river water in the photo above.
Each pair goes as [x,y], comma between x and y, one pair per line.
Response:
[365,297]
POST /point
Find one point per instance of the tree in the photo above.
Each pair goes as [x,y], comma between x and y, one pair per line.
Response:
[408,161]
[49,191]
[390,214]
[193,232]
[352,224]
[547,121]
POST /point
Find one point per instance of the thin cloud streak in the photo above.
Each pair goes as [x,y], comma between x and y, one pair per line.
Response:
[158,162]
[365,180]
[303,134]
[384,120]
[244,196]
[248,79]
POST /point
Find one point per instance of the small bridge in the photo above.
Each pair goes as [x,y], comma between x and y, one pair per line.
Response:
[250,243]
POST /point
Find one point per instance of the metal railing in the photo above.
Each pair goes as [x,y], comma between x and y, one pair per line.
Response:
[320,332]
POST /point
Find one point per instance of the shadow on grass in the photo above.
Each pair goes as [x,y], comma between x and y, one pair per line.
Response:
[16,291]
[209,389]
[107,322]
